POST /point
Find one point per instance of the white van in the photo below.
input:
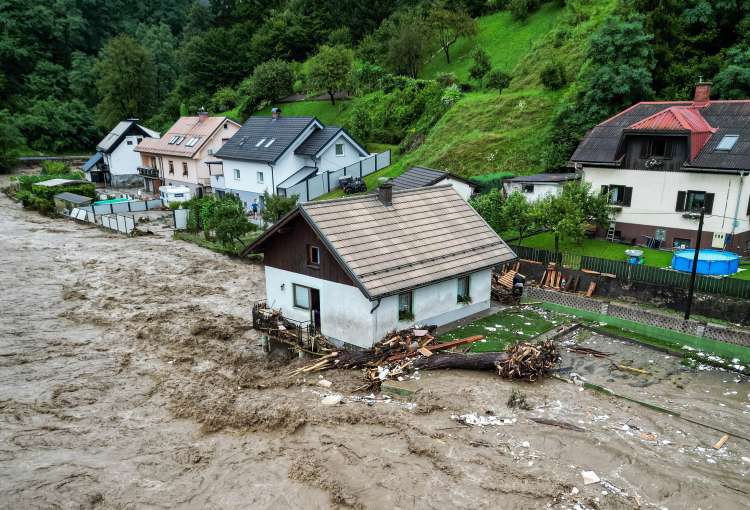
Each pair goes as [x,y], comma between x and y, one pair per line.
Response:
[171,194]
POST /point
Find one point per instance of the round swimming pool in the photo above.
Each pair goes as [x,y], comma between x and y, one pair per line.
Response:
[716,262]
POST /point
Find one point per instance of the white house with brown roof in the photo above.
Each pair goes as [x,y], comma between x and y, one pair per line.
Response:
[537,186]
[181,156]
[359,267]
[662,162]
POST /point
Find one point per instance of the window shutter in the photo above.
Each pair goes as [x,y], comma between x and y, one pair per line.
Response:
[627,196]
[709,203]
[644,148]
[680,201]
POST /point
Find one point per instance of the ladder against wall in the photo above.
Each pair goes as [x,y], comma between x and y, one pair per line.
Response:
[611,232]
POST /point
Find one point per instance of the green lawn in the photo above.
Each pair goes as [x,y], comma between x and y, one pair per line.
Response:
[326,112]
[372,180]
[506,41]
[505,328]
[233,250]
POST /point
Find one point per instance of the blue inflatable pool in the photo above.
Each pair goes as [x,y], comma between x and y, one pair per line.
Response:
[711,262]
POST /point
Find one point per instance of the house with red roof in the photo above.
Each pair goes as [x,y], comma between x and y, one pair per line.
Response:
[662,162]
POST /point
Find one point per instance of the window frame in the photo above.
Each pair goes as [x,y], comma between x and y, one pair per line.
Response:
[237,174]
[311,260]
[527,188]
[185,171]
[463,298]
[296,286]
[260,177]
[171,167]
[406,314]
[734,139]
[668,152]
[261,142]
[336,147]
[691,194]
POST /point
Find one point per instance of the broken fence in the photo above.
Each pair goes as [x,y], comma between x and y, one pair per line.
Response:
[117,222]
[732,287]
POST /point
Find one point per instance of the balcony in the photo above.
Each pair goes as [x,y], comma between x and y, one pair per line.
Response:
[204,181]
[150,172]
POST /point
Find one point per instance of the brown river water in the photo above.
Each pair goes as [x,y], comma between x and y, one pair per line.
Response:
[130,377]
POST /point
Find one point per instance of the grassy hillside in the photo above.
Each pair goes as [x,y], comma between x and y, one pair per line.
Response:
[327,113]
[506,40]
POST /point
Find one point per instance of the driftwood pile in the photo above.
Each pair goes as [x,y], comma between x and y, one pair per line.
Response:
[402,351]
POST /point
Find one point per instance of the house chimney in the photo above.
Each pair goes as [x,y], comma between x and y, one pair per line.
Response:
[202,114]
[385,193]
[275,113]
[702,93]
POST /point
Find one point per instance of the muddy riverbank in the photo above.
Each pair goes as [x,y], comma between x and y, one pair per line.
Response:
[130,377]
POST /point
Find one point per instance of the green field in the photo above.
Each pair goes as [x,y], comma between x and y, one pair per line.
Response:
[505,328]
[504,39]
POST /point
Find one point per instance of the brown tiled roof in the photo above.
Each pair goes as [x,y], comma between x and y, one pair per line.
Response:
[187,127]
[427,235]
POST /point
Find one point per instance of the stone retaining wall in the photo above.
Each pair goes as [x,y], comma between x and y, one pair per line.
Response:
[641,316]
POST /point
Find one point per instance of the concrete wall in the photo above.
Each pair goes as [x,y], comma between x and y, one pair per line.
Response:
[541,190]
[328,160]
[461,187]
[655,197]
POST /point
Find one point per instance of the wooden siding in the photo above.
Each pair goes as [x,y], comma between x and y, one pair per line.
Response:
[634,152]
[287,250]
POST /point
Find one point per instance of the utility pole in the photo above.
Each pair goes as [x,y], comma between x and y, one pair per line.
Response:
[695,265]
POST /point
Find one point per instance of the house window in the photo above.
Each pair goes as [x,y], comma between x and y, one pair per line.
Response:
[226,125]
[727,143]
[405,306]
[660,235]
[339,149]
[463,294]
[129,142]
[527,188]
[171,168]
[694,201]
[184,169]
[261,142]
[173,140]
[236,174]
[260,177]
[139,139]
[680,243]
[313,255]
[270,142]
[618,194]
[301,296]
[657,148]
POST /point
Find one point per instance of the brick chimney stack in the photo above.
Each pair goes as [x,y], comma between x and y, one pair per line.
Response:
[202,115]
[385,193]
[702,93]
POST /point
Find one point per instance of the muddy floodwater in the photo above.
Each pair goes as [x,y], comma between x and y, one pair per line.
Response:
[130,377]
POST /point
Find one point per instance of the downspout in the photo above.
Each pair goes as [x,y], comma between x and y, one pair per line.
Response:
[375,323]
[273,184]
[737,206]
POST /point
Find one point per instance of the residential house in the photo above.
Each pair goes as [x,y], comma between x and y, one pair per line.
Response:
[538,186]
[419,176]
[182,156]
[361,266]
[116,162]
[272,154]
[662,162]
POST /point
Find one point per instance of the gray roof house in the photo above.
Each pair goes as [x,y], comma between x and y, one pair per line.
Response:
[661,163]
[419,176]
[115,162]
[283,155]
[538,186]
[361,266]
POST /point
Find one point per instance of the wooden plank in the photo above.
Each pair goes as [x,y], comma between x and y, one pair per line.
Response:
[591,289]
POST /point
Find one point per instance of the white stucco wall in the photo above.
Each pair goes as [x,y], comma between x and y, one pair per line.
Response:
[329,161]
[541,190]
[345,312]
[124,160]
[655,197]
[461,187]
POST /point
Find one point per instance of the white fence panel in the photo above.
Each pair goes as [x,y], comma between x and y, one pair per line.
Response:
[317,186]
[155,203]
[103,209]
[121,224]
[137,206]
[368,166]
[120,207]
[180,218]
[298,189]
[383,160]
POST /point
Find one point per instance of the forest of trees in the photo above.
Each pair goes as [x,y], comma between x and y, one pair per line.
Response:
[73,68]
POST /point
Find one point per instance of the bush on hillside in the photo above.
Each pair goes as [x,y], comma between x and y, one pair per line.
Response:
[481,63]
[496,79]
[522,9]
[451,95]
[553,76]
[54,168]
[223,99]
[446,79]
[367,77]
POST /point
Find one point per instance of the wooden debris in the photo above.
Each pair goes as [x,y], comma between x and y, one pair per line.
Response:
[556,423]
[588,351]
[529,361]
[424,351]
[721,441]
[591,289]
[626,368]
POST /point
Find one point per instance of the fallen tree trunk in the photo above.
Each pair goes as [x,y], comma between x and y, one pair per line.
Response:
[483,361]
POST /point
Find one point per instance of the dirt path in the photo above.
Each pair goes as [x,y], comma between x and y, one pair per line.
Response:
[130,378]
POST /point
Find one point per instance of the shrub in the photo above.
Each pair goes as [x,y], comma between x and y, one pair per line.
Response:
[553,76]
[481,65]
[223,99]
[367,77]
[521,9]
[451,95]
[54,168]
[496,79]
[276,206]
[446,79]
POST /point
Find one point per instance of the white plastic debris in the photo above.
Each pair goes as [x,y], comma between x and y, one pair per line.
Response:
[478,420]
[525,444]
[574,491]
[325,383]
[589,477]
[746,460]
[331,400]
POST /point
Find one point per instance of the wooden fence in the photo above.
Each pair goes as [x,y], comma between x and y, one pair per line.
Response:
[638,273]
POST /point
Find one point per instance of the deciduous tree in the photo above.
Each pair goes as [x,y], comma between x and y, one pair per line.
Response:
[448,25]
[516,214]
[276,206]
[330,70]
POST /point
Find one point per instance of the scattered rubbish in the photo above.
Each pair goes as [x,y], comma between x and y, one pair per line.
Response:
[556,423]
[721,441]
[331,400]
[648,436]
[574,491]
[588,351]
[626,368]
[525,444]
[589,477]
[325,383]
[746,460]
[478,420]
[518,400]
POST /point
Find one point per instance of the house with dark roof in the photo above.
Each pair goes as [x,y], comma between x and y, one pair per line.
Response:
[661,163]
[537,186]
[183,156]
[420,176]
[358,267]
[116,162]
[275,153]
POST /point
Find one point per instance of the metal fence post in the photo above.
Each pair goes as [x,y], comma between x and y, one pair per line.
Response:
[376,161]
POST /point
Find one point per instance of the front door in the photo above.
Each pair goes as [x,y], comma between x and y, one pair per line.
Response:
[315,308]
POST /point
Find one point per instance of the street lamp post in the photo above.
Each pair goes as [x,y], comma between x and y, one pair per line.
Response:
[695,265]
